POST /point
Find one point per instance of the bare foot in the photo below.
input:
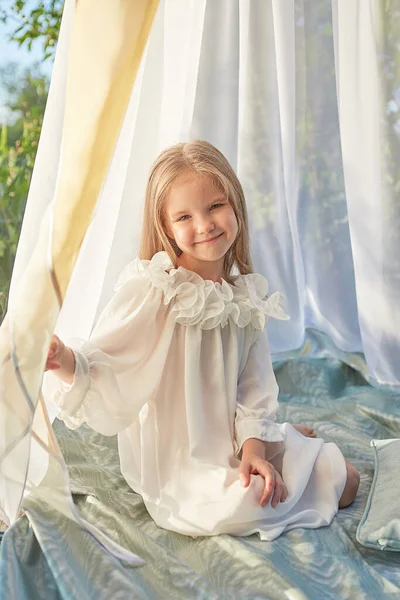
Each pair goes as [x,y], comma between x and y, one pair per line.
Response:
[306,431]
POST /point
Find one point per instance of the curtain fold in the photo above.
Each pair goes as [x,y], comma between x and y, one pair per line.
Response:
[368,103]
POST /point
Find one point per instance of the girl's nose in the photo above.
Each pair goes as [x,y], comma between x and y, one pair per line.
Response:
[204,226]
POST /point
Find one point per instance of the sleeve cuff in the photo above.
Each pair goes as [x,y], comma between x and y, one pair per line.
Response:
[262,429]
[70,397]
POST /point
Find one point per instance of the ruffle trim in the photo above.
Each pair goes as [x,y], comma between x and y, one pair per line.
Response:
[250,423]
[196,301]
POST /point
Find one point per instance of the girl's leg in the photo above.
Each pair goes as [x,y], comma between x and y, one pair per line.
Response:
[351,487]
[353,476]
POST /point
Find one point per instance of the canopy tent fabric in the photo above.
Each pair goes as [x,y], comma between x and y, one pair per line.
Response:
[300,97]
[105,49]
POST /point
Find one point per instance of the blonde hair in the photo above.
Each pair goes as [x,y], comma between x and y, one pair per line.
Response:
[204,159]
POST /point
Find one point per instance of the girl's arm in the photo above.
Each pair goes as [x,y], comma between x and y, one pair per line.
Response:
[257,437]
[257,402]
[92,380]
[253,447]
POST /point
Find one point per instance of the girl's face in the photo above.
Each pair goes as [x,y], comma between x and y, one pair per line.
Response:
[201,220]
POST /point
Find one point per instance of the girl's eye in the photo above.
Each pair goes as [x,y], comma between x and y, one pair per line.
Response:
[215,206]
[183,218]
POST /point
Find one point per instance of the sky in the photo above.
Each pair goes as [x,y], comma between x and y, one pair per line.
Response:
[12,52]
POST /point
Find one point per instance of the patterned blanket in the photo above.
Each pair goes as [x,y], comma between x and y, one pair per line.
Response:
[44,555]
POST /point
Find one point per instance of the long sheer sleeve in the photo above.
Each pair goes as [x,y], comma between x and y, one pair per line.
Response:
[257,399]
[115,369]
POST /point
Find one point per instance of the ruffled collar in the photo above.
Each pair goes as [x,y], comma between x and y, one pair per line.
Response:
[206,303]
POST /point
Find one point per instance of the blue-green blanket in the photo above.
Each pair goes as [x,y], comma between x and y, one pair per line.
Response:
[49,557]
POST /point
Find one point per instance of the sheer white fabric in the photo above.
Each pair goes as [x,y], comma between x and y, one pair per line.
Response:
[180,368]
[261,81]
[301,97]
[368,103]
[100,80]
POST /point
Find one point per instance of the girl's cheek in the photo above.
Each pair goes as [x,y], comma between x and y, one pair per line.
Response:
[234,224]
[231,217]
[180,235]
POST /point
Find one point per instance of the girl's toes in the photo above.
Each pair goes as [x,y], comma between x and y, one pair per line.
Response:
[310,432]
[306,431]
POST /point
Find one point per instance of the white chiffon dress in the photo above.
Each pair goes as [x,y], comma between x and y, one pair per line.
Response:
[180,369]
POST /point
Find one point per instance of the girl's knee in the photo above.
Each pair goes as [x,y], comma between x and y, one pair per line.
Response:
[351,487]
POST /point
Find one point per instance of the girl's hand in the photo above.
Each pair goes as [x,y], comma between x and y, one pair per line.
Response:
[55,354]
[274,486]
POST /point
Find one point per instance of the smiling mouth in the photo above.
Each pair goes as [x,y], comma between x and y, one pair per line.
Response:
[210,240]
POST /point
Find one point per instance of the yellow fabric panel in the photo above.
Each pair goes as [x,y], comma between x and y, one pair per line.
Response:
[107,44]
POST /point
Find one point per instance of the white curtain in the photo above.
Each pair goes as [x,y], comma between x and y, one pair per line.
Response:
[303,98]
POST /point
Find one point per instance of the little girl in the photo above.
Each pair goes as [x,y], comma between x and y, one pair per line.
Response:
[179,366]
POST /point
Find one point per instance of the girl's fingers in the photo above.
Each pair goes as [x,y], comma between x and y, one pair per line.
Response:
[274,487]
[269,487]
[277,497]
[54,346]
[281,492]
[244,471]
[52,366]
[275,490]
[284,494]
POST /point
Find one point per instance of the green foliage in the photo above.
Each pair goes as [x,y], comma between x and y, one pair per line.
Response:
[33,21]
[27,94]
[36,20]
